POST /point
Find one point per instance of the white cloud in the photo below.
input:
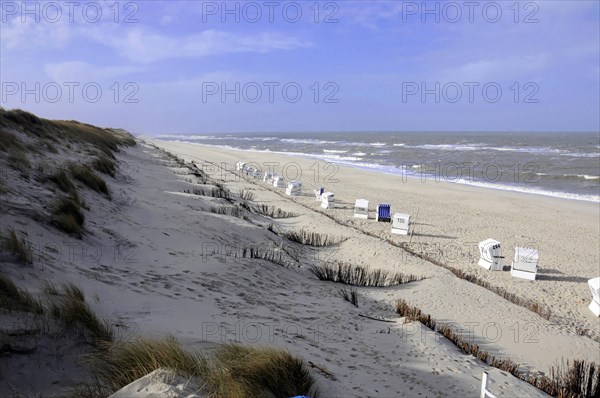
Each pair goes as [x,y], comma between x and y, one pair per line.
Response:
[495,69]
[138,44]
[83,71]
[147,47]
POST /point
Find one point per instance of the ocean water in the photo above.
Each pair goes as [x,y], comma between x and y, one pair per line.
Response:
[565,165]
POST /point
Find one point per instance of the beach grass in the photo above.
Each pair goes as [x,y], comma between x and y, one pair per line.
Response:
[245,194]
[356,275]
[20,247]
[576,379]
[350,295]
[105,165]
[67,215]
[71,310]
[13,298]
[269,211]
[310,238]
[84,174]
[232,371]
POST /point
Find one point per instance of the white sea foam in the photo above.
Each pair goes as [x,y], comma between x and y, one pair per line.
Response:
[356,161]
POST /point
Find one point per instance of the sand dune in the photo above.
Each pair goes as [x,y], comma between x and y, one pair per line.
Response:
[156,261]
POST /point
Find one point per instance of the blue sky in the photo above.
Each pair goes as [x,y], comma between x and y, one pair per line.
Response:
[162,66]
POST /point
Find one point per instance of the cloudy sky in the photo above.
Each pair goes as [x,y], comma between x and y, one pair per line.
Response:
[201,66]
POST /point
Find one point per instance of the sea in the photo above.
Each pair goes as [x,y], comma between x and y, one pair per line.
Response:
[564,165]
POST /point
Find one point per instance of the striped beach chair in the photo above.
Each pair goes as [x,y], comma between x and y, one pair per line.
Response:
[318,192]
[384,213]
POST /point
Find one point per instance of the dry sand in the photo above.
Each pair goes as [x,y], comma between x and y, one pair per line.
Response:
[147,263]
[451,220]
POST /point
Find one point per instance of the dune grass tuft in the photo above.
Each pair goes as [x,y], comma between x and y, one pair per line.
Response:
[270,211]
[67,216]
[356,275]
[245,194]
[17,159]
[312,238]
[19,247]
[258,372]
[77,316]
[271,255]
[50,288]
[9,140]
[234,211]
[125,362]
[350,295]
[72,291]
[232,371]
[217,192]
[14,299]
[105,165]
[85,174]
[63,181]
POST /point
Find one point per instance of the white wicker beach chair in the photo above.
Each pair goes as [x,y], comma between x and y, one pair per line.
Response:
[401,224]
[525,263]
[327,200]
[594,285]
[361,209]
[268,178]
[294,188]
[279,182]
[490,255]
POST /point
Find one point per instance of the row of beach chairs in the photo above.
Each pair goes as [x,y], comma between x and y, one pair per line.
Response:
[524,264]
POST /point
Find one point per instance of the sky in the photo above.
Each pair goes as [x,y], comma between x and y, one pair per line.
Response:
[178,67]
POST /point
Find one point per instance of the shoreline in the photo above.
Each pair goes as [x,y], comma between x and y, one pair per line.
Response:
[379,168]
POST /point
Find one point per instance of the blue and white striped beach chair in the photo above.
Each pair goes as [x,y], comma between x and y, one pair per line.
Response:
[318,192]
[384,213]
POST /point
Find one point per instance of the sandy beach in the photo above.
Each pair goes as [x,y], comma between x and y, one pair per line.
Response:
[450,220]
[194,199]
[156,259]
